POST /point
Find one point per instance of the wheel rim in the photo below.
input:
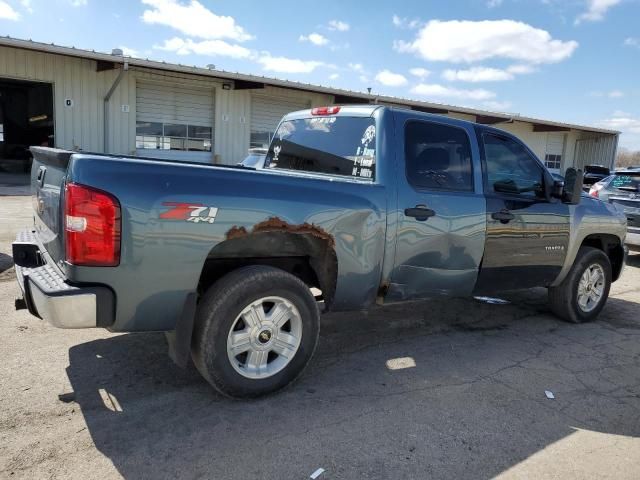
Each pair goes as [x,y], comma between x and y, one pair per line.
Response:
[591,288]
[264,337]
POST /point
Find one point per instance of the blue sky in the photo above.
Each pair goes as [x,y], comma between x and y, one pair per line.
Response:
[567,60]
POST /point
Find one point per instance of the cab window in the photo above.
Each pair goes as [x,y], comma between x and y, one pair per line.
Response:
[510,168]
[438,157]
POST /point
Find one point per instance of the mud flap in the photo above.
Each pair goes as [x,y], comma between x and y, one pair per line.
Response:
[179,340]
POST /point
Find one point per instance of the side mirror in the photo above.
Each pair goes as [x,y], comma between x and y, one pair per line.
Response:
[557,189]
[572,190]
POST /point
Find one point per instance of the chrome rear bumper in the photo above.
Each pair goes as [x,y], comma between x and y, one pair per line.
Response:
[48,294]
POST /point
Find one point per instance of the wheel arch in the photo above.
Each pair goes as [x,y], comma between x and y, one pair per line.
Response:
[305,251]
[612,246]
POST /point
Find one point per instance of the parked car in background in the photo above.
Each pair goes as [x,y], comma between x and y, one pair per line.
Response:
[623,189]
[255,159]
[593,174]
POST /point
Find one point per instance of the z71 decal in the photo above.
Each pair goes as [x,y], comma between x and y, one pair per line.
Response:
[190,212]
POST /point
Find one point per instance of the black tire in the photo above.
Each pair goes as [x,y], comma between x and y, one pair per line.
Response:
[563,299]
[215,316]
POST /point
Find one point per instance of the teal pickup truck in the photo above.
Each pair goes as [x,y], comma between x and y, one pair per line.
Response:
[354,205]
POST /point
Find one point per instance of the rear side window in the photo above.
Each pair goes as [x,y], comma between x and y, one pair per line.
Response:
[333,145]
[438,157]
[625,181]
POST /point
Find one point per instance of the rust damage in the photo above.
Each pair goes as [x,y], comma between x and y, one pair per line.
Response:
[278,239]
[275,224]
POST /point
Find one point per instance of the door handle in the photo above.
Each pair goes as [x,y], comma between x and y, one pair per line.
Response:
[503,215]
[419,212]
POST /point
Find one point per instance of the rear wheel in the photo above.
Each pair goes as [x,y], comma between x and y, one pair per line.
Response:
[583,293]
[256,329]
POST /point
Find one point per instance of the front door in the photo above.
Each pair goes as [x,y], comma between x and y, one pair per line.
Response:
[527,234]
[441,217]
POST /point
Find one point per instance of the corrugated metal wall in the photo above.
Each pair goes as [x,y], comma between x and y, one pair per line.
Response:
[596,151]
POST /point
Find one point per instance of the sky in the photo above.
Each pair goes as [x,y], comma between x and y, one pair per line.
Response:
[575,61]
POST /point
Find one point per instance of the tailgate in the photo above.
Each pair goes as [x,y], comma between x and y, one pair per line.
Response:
[47,179]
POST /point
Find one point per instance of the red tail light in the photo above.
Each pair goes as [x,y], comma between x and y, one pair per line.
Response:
[594,191]
[325,110]
[92,226]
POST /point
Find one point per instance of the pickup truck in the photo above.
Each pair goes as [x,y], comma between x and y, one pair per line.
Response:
[355,205]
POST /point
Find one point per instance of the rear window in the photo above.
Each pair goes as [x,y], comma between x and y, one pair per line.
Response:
[626,181]
[332,145]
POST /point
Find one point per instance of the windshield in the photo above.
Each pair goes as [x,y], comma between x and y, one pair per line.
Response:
[626,181]
[333,145]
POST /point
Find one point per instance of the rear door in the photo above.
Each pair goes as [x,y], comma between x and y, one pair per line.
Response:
[527,235]
[441,210]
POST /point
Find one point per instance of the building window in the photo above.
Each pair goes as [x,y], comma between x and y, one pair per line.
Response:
[173,136]
[553,161]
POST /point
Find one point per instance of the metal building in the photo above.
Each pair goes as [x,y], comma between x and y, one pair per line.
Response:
[84,100]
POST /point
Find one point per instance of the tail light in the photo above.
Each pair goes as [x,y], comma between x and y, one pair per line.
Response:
[92,226]
[594,191]
[325,110]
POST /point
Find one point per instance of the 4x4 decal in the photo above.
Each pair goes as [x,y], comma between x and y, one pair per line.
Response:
[190,212]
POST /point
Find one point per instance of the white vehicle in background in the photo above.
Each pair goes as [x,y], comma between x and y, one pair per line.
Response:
[623,189]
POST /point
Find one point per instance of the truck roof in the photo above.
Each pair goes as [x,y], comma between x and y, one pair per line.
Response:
[368,110]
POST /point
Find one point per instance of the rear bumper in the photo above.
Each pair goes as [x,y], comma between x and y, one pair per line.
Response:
[49,295]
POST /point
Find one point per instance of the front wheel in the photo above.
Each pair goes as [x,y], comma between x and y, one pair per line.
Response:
[582,294]
[256,329]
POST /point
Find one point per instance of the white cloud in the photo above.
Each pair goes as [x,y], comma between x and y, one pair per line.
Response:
[459,41]
[497,106]
[78,3]
[434,90]
[338,25]
[363,78]
[129,52]
[314,38]
[356,67]
[187,46]
[193,19]
[419,72]
[390,79]
[7,12]
[287,65]
[596,10]
[26,4]
[404,22]
[609,94]
[494,3]
[632,42]
[334,76]
[521,69]
[626,123]
[477,74]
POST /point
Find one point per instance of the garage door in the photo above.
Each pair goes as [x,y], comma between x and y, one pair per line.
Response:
[554,151]
[174,121]
[266,113]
